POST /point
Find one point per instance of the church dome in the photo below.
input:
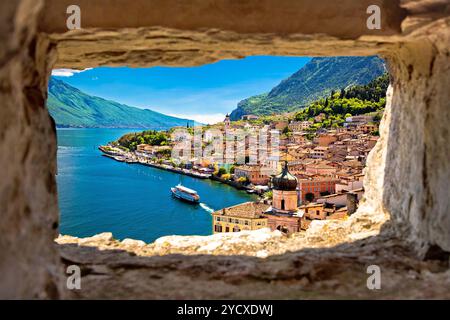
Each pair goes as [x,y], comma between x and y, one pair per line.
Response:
[285,181]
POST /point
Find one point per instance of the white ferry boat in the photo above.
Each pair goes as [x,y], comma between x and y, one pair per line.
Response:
[186,194]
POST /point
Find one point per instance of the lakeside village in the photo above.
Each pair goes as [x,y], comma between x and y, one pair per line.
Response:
[312,173]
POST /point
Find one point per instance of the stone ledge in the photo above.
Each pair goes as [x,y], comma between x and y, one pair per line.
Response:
[309,273]
[328,261]
[258,243]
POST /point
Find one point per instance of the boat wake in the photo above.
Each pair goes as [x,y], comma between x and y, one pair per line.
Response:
[206,208]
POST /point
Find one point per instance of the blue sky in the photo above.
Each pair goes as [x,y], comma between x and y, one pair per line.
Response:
[205,93]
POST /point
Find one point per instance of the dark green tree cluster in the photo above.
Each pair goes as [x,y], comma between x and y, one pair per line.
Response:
[151,137]
[373,91]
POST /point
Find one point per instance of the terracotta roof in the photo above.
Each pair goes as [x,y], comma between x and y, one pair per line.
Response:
[319,179]
[250,210]
[312,205]
[320,166]
[248,168]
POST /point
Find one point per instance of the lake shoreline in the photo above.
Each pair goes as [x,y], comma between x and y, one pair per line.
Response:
[132,159]
[98,195]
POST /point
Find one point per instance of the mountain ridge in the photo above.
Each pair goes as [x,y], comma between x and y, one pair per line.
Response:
[72,108]
[313,81]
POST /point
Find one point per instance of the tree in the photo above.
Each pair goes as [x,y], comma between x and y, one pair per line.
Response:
[226,176]
[309,197]
[216,169]
[268,195]
[243,180]
[221,171]
[377,117]
[133,145]
[286,130]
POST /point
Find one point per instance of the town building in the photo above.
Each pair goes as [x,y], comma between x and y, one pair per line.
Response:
[241,217]
[321,211]
[250,117]
[324,140]
[342,199]
[354,121]
[253,173]
[315,211]
[144,148]
[298,138]
[311,189]
[321,168]
[279,125]
[319,152]
[227,121]
[348,186]
[284,214]
[275,161]
[147,151]
[368,127]
[298,126]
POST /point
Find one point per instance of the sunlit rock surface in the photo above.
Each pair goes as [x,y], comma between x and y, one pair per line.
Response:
[252,265]
[261,243]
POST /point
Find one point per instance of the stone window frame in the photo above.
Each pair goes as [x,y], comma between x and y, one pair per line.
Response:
[414,42]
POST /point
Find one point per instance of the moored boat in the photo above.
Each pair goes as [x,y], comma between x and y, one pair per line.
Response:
[184,193]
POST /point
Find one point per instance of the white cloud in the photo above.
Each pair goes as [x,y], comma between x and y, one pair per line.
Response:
[67,72]
[202,118]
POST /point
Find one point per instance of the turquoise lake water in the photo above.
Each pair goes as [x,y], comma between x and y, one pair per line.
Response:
[98,194]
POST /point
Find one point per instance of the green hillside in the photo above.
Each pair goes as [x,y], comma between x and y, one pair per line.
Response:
[315,80]
[71,107]
[356,100]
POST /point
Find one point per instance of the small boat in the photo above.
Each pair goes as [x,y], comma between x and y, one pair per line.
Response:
[186,194]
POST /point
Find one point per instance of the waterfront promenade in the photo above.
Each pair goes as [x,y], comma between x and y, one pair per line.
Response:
[131,158]
[145,162]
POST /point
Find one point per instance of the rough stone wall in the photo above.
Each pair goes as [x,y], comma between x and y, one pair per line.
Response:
[374,171]
[345,19]
[407,175]
[251,265]
[417,168]
[28,212]
[406,171]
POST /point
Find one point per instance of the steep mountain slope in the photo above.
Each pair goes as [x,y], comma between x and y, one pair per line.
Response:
[71,107]
[315,80]
[369,99]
